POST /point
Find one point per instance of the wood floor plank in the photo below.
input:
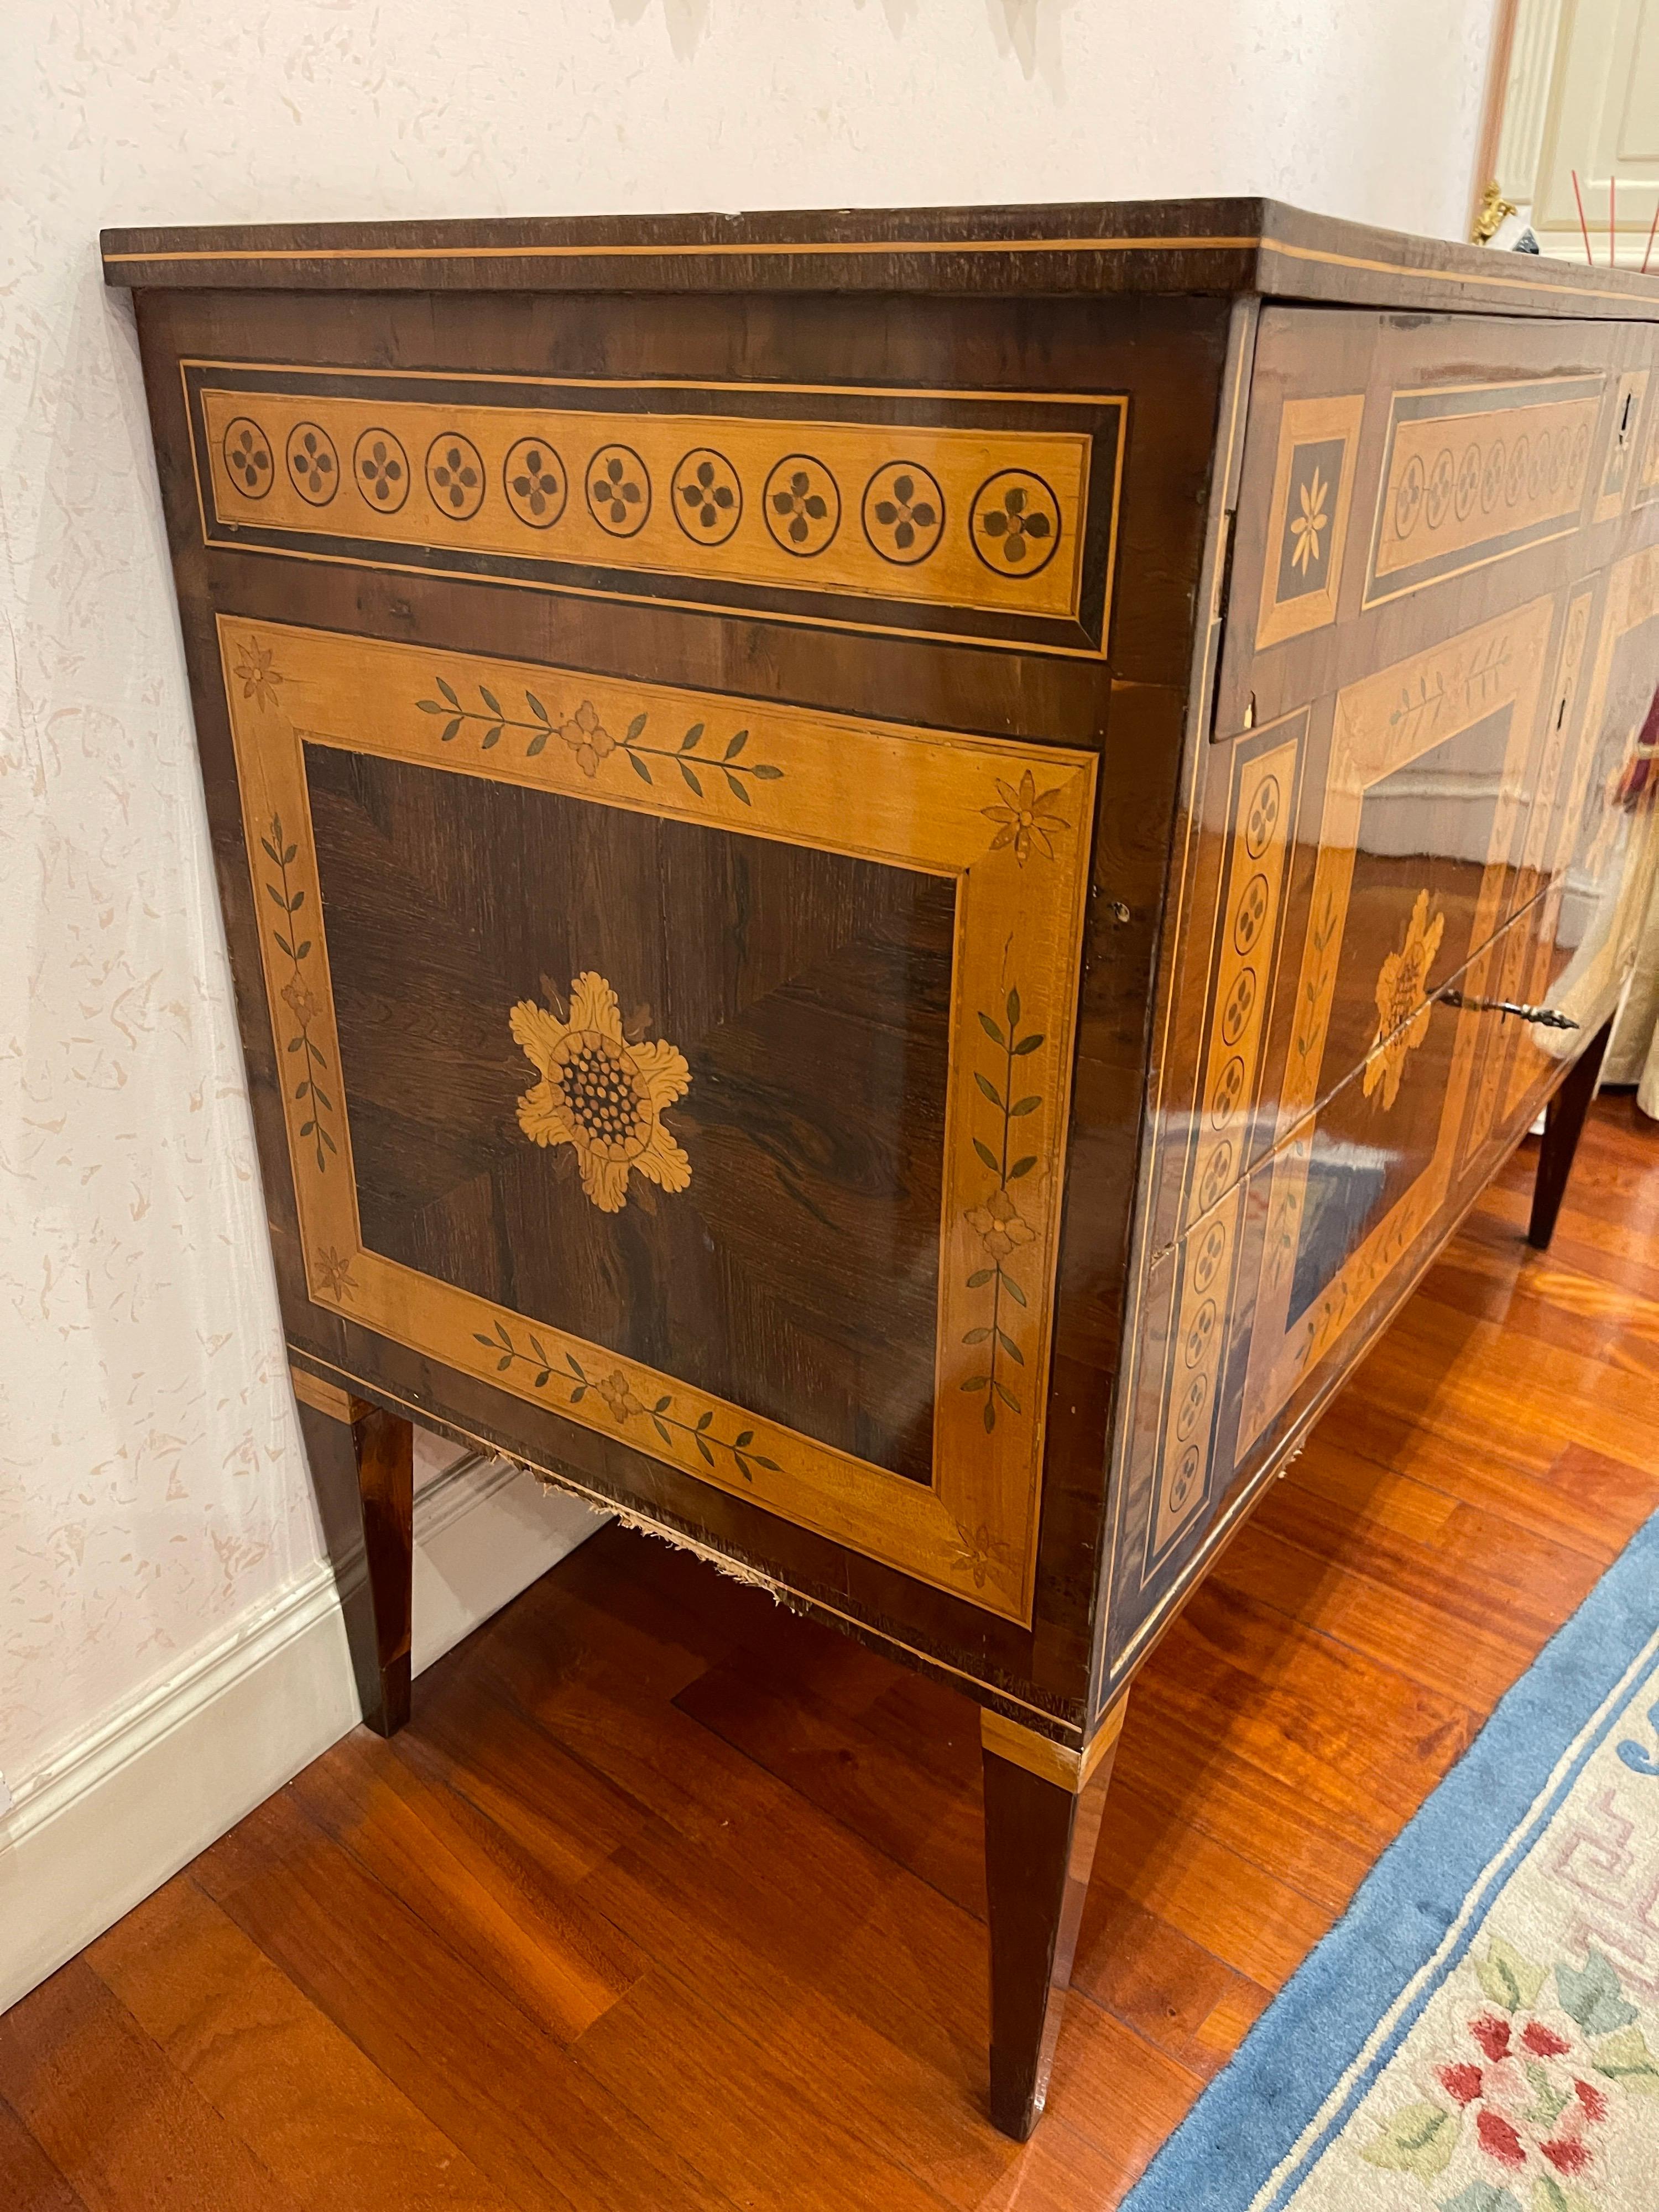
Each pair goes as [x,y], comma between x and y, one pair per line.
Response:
[1175,1994]
[1409,1632]
[116,2118]
[319,2114]
[852,1774]
[1116,2089]
[667,1899]
[782,2141]
[1248,1916]
[29,2182]
[468,1883]
[480,2069]
[891,2089]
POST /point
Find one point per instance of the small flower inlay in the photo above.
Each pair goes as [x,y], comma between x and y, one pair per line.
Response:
[1026,817]
[1307,549]
[537,486]
[382,468]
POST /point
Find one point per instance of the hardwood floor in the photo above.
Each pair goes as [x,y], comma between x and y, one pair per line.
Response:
[668,1899]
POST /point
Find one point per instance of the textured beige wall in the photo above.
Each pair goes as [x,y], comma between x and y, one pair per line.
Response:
[151,1485]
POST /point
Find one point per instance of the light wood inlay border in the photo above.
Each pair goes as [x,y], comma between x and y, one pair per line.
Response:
[1454,685]
[949,804]
[1058,1763]
[1324,533]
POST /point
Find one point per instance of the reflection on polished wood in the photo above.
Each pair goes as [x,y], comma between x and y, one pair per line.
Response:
[655,1858]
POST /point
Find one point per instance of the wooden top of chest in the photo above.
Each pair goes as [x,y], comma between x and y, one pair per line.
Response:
[1247,246]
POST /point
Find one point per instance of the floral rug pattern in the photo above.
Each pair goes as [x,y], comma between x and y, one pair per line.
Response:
[1481,2033]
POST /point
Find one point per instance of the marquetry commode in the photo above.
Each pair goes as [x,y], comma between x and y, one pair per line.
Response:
[871,863]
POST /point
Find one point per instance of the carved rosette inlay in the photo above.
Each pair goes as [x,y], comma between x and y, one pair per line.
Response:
[707,496]
[619,490]
[247,456]
[1015,527]
[904,511]
[536,482]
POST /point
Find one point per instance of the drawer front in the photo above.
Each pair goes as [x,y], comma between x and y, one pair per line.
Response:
[1426,787]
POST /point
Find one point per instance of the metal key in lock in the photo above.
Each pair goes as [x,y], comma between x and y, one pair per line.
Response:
[1546,1017]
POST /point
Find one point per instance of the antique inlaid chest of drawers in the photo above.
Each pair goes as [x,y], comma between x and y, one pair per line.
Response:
[873,862]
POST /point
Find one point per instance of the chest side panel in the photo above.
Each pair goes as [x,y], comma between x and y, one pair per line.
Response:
[1423,793]
[690,1045]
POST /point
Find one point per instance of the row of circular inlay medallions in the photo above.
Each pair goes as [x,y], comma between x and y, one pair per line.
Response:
[1014,526]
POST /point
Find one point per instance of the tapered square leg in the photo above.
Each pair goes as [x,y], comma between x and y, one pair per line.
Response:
[350,1442]
[1042,1814]
[1563,1122]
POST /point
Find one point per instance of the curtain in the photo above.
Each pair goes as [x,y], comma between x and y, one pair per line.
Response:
[1634,1049]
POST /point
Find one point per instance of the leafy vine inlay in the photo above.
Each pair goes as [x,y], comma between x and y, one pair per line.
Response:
[302,1002]
[590,743]
[618,1397]
[997,1223]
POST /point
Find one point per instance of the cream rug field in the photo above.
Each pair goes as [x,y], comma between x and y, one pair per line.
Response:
[1481,2034]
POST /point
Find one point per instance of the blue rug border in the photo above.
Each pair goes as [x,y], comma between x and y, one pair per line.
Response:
[1248,2118]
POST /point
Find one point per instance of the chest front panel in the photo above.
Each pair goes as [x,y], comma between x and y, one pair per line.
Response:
[1422,801]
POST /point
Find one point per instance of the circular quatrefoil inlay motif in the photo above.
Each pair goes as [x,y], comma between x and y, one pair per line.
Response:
[708,497]
[1016,523]
[1263,818]
[1251,913]
[534,479]
[803,506]
[619,490]
[1186,1479]
[1210,1254]
[312,464]
[380,467]
[247,456]
[904,512]
[455,475]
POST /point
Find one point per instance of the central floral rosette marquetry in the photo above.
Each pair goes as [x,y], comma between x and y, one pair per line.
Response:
[600,1094]
[1400,987]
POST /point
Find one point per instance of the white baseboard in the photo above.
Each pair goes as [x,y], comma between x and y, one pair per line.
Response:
[118,1812]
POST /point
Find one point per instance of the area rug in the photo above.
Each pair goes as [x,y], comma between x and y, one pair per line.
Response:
[1480,2033]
